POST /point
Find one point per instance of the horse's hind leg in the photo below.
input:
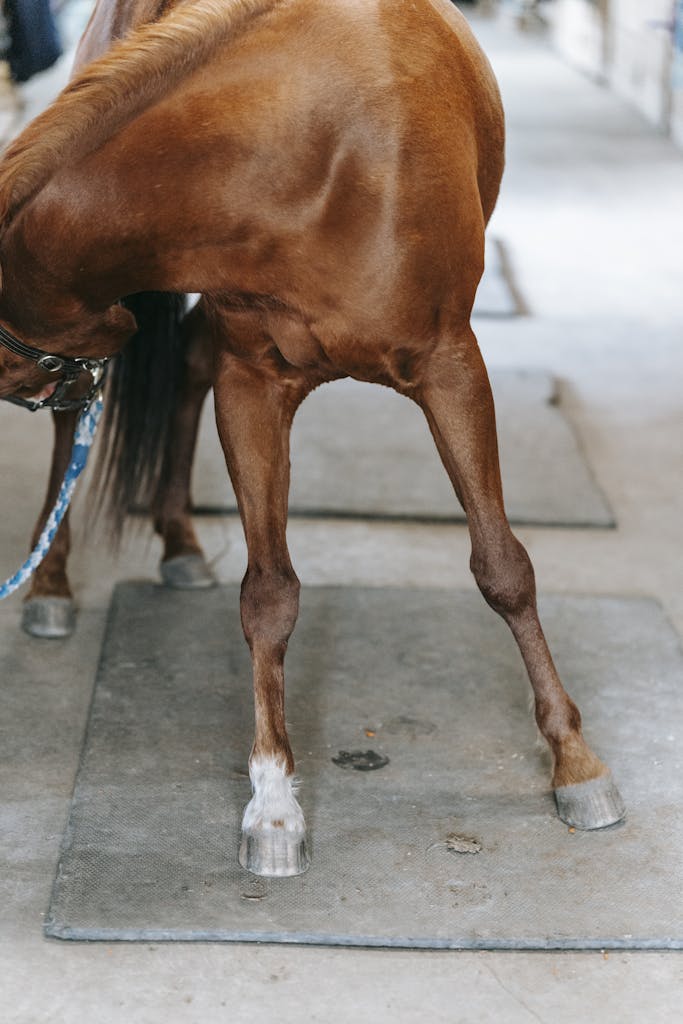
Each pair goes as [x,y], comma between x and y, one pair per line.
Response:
[49,609]
[183,564]
[254,413]
[456,397]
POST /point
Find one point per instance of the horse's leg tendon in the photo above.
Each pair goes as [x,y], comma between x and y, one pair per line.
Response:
[49,609]
[456,397]
[183,564]
[254,414]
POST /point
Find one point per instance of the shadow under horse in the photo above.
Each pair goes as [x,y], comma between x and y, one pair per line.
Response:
[321,174]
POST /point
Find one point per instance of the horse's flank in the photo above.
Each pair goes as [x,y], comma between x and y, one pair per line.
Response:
[132,76]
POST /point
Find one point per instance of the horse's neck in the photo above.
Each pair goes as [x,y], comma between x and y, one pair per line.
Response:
[89,238]
[37,296]
[43,253]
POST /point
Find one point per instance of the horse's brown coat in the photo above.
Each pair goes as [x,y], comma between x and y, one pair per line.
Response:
[322,173]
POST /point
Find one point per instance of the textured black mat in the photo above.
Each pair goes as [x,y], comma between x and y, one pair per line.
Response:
[429,680]
[363,451]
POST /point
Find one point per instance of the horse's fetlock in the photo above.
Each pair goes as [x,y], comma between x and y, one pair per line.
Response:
[178,535]
[50,578]
[273,804]
[560,724]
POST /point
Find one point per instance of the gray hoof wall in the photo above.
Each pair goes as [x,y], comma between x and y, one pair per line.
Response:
[187,572]
[593,804]
[274,854]
[49,617]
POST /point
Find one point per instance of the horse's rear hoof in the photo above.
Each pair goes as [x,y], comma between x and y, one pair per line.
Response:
[49,617]
[275,854]
[187,572]
[593,804]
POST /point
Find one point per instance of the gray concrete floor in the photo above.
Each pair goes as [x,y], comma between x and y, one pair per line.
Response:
[591,210]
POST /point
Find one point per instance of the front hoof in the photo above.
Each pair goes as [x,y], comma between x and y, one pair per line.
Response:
[274,854]
[593,804]
[49,617]
[187,572]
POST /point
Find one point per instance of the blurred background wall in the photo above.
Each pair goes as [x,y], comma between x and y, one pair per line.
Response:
[635,46]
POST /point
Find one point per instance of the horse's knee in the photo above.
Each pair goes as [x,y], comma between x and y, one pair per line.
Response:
[269,606]
[505,576]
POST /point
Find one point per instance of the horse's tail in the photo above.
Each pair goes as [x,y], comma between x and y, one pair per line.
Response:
[141,396]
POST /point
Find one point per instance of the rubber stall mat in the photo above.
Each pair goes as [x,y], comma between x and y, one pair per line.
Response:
[362,451]
[450,842]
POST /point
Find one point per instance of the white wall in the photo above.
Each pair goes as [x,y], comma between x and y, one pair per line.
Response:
[640,51]
[579,33]
[629,43]
[677,79]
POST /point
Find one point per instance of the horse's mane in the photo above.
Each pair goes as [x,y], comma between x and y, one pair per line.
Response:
[108,93]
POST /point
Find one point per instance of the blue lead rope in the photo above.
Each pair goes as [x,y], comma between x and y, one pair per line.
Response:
[83,440]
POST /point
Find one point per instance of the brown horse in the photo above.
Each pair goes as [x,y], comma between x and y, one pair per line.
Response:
[322,174]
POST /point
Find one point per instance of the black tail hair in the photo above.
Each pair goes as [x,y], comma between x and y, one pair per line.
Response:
[140,399]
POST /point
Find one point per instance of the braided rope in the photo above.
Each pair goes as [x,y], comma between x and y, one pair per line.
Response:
[83,440]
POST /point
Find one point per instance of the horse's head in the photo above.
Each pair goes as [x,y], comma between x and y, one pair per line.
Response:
[58,365]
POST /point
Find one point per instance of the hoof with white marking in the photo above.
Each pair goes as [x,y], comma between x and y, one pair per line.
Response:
[49,617]
[187,572]
[593,804]
[273,827]
[274,854]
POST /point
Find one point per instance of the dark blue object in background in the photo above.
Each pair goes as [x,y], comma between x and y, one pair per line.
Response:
[35,44]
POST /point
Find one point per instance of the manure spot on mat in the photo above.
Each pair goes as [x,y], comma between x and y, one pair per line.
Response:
[360,760]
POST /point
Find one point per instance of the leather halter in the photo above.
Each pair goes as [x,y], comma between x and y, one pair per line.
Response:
[69,368]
